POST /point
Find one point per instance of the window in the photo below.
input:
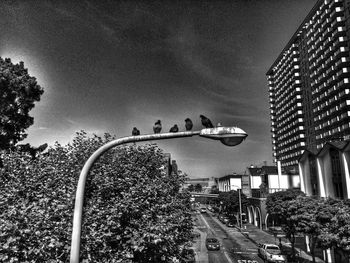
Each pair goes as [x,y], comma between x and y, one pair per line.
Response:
[336,174]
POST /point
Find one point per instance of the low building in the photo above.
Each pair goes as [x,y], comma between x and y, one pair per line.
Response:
[326,173]
[265,180]
[230,182]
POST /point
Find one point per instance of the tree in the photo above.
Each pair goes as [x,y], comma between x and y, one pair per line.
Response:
[314,217]
[133,211]
[18,93]
[281,205]
[340,228]
[214,190]
[198,188]
[191,188]
[230,202]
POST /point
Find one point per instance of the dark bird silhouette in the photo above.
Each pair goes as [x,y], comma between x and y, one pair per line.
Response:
[174,128]
[188,124]
[135,132]
[206,122]
[157,127]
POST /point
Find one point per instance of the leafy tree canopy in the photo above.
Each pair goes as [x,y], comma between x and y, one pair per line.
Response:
[276,202]
[133,210]
[18,93]
[198,188]
[230,201]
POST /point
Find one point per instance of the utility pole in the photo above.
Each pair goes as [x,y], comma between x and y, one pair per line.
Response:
[240,208]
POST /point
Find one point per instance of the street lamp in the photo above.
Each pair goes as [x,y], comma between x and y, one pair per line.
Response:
[230,136]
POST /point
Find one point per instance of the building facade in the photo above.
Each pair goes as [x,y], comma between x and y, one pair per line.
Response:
[264,180]
[309,87]
[230,182]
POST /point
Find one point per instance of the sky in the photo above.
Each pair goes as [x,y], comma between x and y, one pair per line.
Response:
[107,66]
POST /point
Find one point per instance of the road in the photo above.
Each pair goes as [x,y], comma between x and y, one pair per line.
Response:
[235,248]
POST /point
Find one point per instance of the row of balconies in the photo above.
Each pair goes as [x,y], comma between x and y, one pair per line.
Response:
[316,57]
[288,90]
[291,158]
[281,87]
[291,136]
[296,124]
[316,23]
[296,115]
[281,76]
[337,111]
[286,55]
[285,64]
[289,103]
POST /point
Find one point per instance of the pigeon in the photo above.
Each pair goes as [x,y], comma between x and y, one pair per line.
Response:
[188,124]
[135,132]
[157,127]
[206,122]
[174,128]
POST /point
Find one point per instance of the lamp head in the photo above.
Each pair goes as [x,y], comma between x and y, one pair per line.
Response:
[230,136]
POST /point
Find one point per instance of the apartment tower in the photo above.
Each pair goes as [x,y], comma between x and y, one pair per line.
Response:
[309,87]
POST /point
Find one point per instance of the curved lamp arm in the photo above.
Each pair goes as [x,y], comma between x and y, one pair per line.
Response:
[79,197]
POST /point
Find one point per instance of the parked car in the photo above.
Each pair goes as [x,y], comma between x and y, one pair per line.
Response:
[271,253]
[230,224]
[212,243]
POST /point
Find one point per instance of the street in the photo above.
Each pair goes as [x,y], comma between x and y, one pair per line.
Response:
[235,248]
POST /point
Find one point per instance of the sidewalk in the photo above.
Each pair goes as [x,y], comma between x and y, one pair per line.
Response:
[257,235]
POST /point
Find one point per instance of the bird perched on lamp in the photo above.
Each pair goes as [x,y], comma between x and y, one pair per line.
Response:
[206,122]
[135,132]
[157,126]
[188,124]
[174,128]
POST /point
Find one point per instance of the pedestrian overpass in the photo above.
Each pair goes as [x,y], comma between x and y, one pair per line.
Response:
[203,198]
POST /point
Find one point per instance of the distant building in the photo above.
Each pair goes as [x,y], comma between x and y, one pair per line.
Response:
[230,182]
[170,165]
[206,183]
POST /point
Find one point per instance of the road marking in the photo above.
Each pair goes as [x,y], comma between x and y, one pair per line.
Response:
[228,258]
[205,221]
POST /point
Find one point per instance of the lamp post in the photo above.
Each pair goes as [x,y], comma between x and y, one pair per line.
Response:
[240,208]
[237,188]
[229,136]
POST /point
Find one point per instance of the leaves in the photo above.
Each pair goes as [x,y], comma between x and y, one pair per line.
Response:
[18,93]
[133,210]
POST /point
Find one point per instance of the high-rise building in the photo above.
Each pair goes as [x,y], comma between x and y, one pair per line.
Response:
[309,83]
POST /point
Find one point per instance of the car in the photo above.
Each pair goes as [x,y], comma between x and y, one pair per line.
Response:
[203,210]
[230,224]
[271,253]
[225,219]
[212,243]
